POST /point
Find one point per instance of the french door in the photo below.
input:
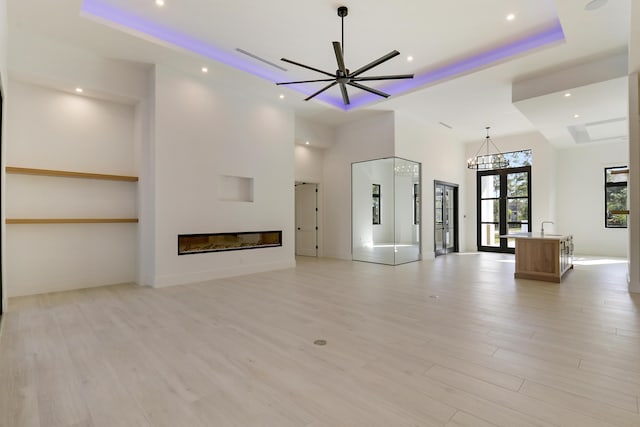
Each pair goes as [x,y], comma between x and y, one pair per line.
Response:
[445,218]
[504,207]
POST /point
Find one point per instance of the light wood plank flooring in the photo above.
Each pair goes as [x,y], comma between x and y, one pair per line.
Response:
[451,342]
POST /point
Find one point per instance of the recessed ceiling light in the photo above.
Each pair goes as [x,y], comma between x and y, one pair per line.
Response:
[568,94]
[160,3]
[409,58]
[205,70]
[575,116]
[595,4]
[306,143]
[281,96]
[511,17]
[79,90]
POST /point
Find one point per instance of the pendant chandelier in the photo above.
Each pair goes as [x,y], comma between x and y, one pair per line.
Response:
[488,161]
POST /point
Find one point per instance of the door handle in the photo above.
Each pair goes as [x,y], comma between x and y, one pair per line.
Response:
[298,228]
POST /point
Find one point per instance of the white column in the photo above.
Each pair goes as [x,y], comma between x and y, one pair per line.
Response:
[634,183]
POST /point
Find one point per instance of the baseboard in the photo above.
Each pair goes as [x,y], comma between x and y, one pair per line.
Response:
[54,290]
[220,273]
[634,287]
[429,255]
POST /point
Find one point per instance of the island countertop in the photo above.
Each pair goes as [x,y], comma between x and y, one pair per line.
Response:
[546,236]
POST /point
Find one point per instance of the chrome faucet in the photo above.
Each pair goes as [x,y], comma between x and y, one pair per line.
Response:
[542,226]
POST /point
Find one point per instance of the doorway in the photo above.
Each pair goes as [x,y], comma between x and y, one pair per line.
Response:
[504,207]
[306,219]
[445,218]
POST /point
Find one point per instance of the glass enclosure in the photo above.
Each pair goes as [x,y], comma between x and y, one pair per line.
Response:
[385,209]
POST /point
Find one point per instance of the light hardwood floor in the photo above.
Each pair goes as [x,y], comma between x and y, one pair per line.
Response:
[451,342]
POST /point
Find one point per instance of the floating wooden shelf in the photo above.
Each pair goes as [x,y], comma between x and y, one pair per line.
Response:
[619,212]
[69,174]
[70,220]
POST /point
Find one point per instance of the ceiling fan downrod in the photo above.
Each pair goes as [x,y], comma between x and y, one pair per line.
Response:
[342,12]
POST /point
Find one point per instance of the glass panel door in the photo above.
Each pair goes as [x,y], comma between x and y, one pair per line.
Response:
[445,218]
[503,207]
[517,204]
[450,201]
[489,211]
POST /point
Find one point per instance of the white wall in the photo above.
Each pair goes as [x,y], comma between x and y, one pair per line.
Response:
[366,139]
[49,129]
[145,165]
[318,135]
[580,198]
[442,158]
[543,181]
[308,164]
[202,132]
[64,67]
[634,150]
[4,78]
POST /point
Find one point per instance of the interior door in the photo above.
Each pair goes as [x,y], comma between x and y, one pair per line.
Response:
[306,219]
[445,218]
[504,207]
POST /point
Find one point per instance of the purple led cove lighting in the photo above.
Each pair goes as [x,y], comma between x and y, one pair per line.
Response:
[130,22]
[551,35]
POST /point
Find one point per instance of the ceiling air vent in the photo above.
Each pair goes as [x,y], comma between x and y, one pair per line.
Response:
[606,130]
[244,52]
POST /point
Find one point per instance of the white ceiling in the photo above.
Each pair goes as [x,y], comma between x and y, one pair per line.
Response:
[436,34]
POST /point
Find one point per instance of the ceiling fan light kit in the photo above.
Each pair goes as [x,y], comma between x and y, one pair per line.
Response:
[343,76]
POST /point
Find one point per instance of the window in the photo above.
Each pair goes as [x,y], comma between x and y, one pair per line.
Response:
[375,192]
[615,196]
[416,204]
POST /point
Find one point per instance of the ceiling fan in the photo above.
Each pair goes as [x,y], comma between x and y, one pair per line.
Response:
[342,76]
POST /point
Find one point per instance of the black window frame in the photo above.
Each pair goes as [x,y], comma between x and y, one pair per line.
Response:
[376,204]
[502,198]
[608,185]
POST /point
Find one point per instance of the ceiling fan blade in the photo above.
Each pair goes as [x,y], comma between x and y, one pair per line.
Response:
[339,58]
[369,89]
[308,67]
[330,85]
[305,81]
[375,63]
[389,77]
[345,95]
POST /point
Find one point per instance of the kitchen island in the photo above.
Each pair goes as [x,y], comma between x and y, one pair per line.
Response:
[545,257]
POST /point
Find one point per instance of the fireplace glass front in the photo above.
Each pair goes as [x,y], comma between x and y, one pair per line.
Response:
[217,242]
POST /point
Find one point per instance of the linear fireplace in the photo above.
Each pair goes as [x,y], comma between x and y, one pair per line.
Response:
[218,242]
